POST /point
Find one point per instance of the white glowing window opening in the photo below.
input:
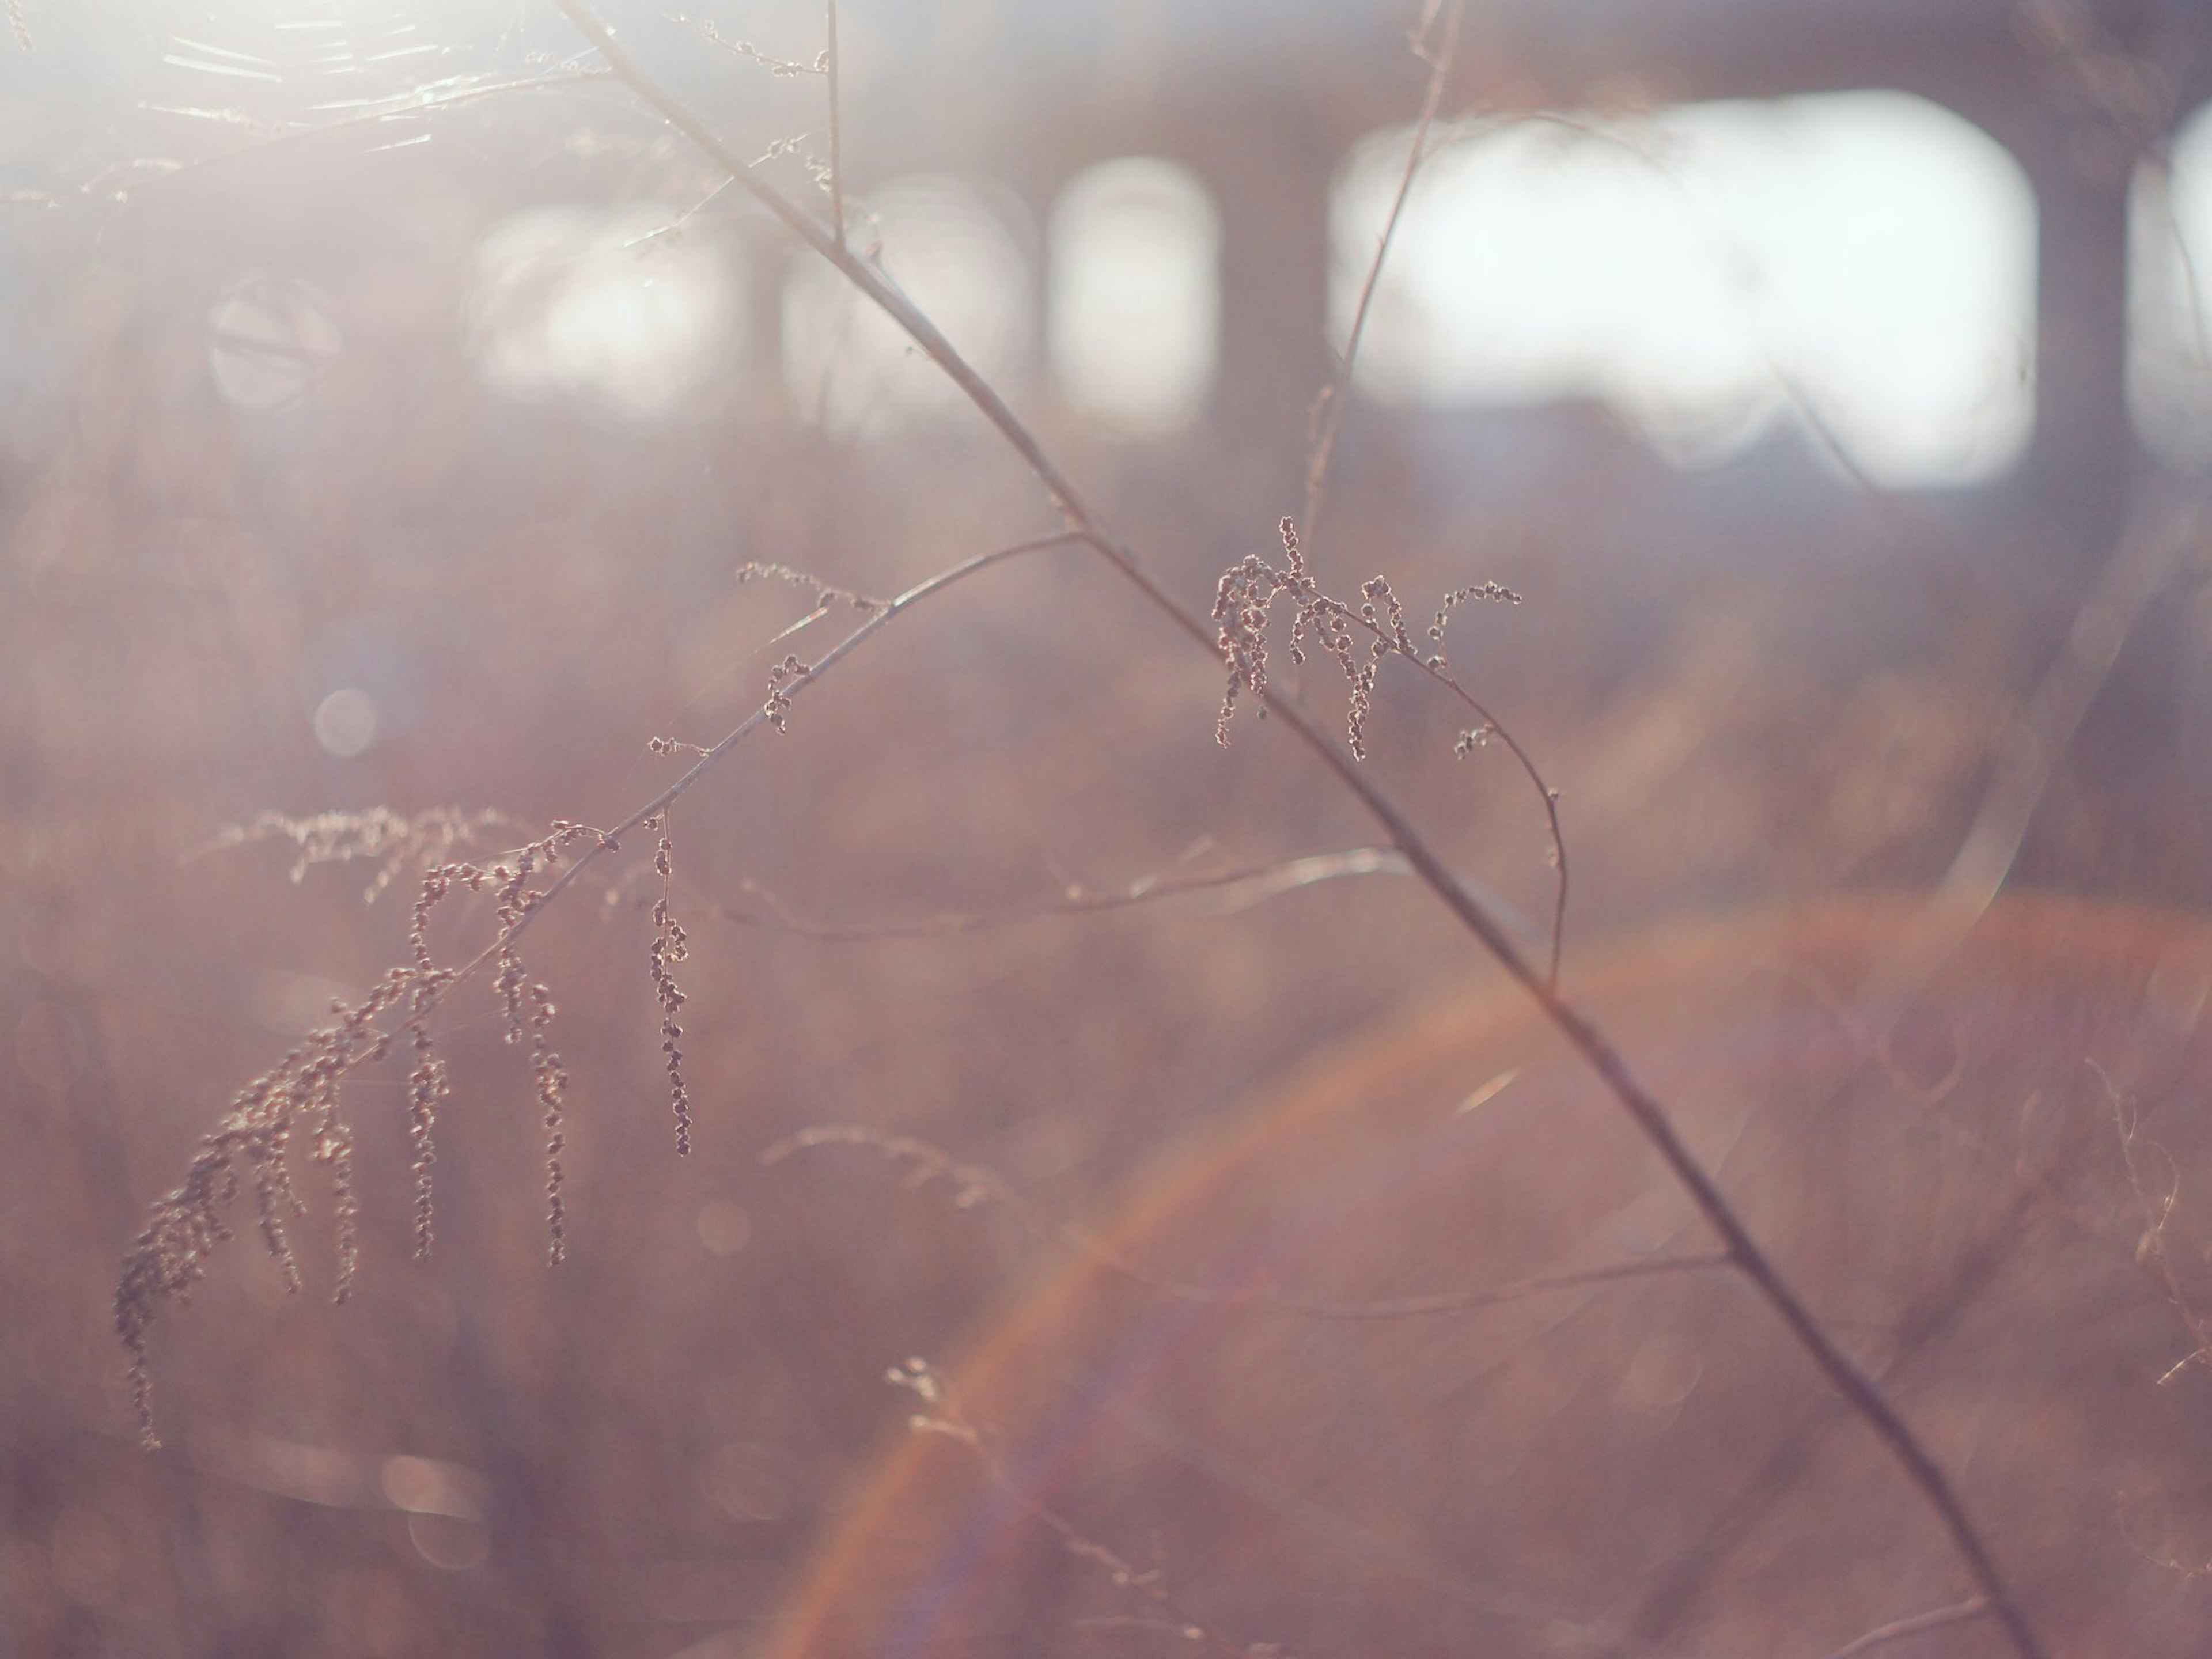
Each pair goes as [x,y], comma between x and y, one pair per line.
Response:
[953,251]
[2170,298]
[1865,260]
[1134,306]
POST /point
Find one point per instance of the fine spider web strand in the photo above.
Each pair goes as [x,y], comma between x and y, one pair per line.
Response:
[877,620]
[427,101]
[1219,893]
[973,1186]
[1866,1397]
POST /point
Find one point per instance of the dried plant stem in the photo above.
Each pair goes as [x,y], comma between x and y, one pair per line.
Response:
[610,840]
[1219,893]
[670,947]
[1243,606]
[1864,1395]
[830,68]
[1328,413]
[1974,1607]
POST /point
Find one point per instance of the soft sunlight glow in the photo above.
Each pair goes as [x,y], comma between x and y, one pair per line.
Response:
[345,722]
[1135,301]
[629,307]
[957,255]
[2170,300]
[1702,270]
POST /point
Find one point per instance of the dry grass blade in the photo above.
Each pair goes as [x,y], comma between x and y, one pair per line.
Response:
[1221,893]
[1974,1607]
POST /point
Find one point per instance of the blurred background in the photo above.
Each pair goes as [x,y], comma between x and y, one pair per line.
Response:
[387,403]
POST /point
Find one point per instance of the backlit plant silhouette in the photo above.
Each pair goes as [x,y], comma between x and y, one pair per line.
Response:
[297,1109]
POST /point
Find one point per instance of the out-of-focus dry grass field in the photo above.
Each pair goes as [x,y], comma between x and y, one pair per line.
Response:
[253,458]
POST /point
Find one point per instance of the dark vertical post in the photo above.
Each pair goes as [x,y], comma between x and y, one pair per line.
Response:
[1270,166]
[2084,451]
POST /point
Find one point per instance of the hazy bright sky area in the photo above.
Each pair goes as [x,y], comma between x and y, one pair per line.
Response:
[1866,258]
[1863,264]
[1700,268]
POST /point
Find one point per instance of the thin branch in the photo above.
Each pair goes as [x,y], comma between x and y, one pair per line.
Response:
[610,840]
[1865,1396]
[974,1186]
[1228,891]
[830,68]
[1436,669]
[1328,414]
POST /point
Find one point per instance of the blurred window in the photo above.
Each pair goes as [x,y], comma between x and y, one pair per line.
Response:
[1135,298]
[1863,261]
[2169,303]
[960,256]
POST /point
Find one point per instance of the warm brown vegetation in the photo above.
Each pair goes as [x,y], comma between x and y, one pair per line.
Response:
[1557,1375]
[1822,1281]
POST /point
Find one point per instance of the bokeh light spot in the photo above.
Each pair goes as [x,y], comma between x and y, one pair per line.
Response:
[345,722]
[1135,300]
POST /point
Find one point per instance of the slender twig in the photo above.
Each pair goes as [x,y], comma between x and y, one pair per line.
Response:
[1224,892]
[1329,415]
[830,67]
[1865,1396]
[610,840]
[1436,669]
